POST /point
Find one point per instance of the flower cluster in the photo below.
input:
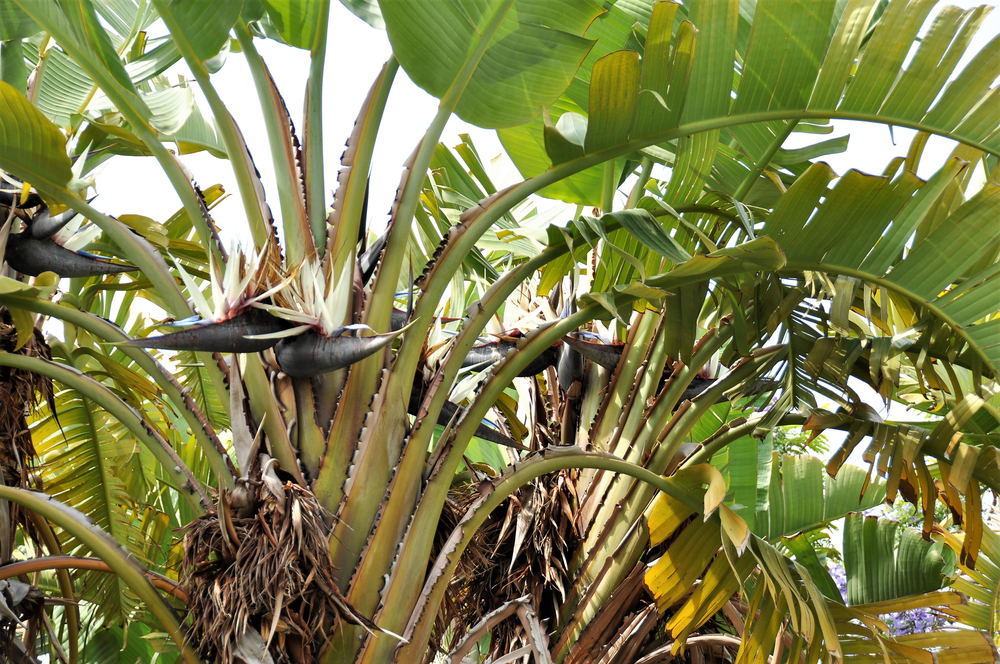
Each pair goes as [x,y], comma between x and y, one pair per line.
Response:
[913,621]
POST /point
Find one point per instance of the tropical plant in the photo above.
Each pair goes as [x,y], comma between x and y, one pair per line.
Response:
[595,481]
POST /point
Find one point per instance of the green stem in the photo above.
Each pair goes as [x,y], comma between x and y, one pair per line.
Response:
[622,503]
[266,409]
[312,148]
[751,179]
[640,185]
[184,480]
[609,189]
[743,370]
[549,460]
[298,235]
[203,431]
[401,595]
[385,287]
[705,209]
[382,547]
[235,147]
[365,375]
[355,166]
[111,552]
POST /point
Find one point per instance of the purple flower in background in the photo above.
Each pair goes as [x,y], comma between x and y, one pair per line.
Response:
[770,405]
[913,621]
[840,578]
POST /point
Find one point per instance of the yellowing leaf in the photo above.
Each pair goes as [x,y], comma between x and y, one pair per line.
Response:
[735,528]
[24,323]
[667,515]
[705,473]
[31,146]
[670,577]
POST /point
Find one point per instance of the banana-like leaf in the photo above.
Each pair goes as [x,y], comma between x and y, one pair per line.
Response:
[30,145]
[808,79]
[14,23]
[538,45]
[897,452]
[87,466]
[297,21]
[797,496]
[367,10]
[929,267]
[885,562]
[206,26]
[980,584]
[113,644]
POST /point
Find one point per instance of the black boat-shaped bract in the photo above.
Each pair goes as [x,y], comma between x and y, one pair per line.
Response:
[606,355]
[12,198]
[32,256]
[481,357]
[228,336]
[43,225]
[311,353]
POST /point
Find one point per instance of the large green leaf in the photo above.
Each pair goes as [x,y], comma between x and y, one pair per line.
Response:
[63,89]
[806,80]
[114,644]
[781,78]
[884,562]
[80,33]
[14,23]
[798,496]
[367,10]
[981,584]
[890,212]
[87,466]
[31,147]
[206,24]
[521,54]
[526,147]
[297,21]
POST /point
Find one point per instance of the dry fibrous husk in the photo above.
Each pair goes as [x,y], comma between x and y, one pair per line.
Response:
[20,391]
[522,550]
[270,573]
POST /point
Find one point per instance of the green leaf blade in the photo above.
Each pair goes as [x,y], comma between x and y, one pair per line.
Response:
[31,146]
[524,67]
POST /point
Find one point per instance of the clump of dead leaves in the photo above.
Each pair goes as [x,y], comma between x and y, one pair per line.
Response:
[521,552]
[20,391]
[260,579]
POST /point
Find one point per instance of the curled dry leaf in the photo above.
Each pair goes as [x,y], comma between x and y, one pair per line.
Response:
[279,581]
